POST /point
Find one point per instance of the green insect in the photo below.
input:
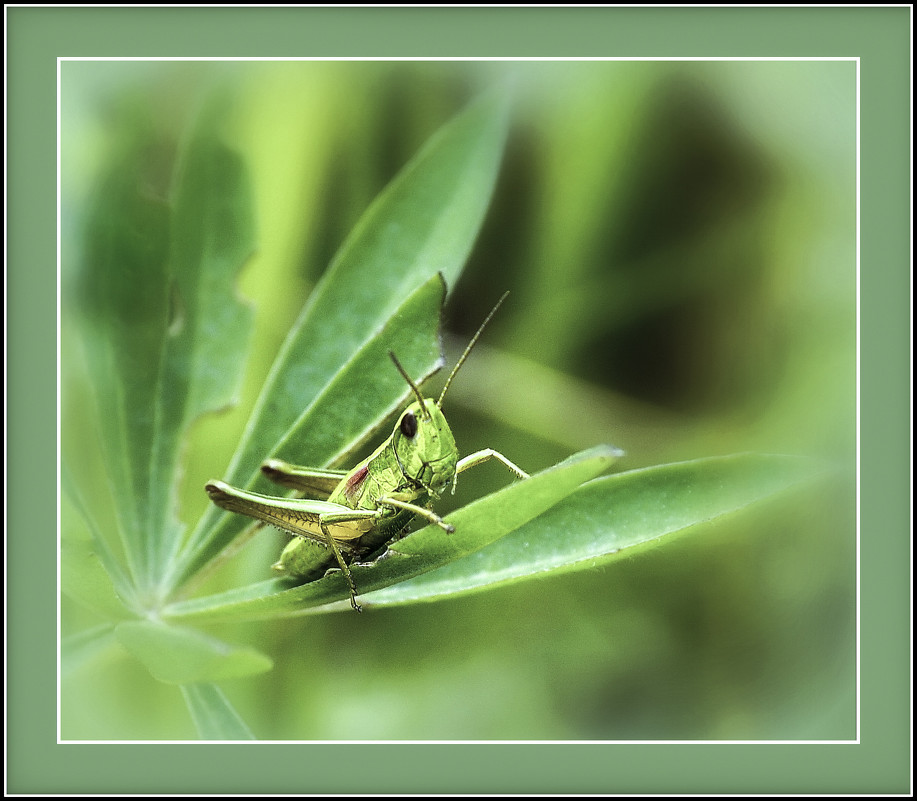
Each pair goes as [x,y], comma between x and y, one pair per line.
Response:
[346,516]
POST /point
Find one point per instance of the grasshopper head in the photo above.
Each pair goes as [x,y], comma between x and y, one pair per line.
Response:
[422,439]
[425,447]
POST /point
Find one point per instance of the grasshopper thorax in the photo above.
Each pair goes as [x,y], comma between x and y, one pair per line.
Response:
[424,447]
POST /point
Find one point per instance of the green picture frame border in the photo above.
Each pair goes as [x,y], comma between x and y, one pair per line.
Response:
[880,37]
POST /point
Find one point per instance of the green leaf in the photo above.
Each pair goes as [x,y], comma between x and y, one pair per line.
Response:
[84,580]
[87,649]
[177,655]
[604,517]
[212,236]
[115,585]
[122,298]
[476,525]
[422,225]
[213,715]
[163,329]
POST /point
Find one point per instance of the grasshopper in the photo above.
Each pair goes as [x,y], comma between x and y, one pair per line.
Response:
[348,515]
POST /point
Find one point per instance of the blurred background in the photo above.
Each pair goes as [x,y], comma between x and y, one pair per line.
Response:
[679,239]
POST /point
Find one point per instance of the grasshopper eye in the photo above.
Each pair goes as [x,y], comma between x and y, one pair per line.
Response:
[409,425]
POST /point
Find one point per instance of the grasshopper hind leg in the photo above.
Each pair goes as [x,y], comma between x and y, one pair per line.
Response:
[344,568]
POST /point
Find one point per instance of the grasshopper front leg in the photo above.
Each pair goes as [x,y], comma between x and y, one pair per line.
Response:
[418,510]
[482,456]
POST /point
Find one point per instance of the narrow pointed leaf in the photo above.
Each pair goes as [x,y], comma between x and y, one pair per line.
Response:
[212,236]
[84,580]
[72,503]
[213,715]
[121,289]
[87,649]
[608,515]
[162,330]
[177,655]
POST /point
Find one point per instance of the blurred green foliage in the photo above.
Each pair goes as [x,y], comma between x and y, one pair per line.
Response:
[679,240]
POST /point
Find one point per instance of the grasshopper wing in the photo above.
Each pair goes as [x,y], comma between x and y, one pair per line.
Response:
[313,482]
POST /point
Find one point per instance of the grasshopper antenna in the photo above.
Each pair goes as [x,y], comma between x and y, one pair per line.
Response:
[412,385]
[461,361]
